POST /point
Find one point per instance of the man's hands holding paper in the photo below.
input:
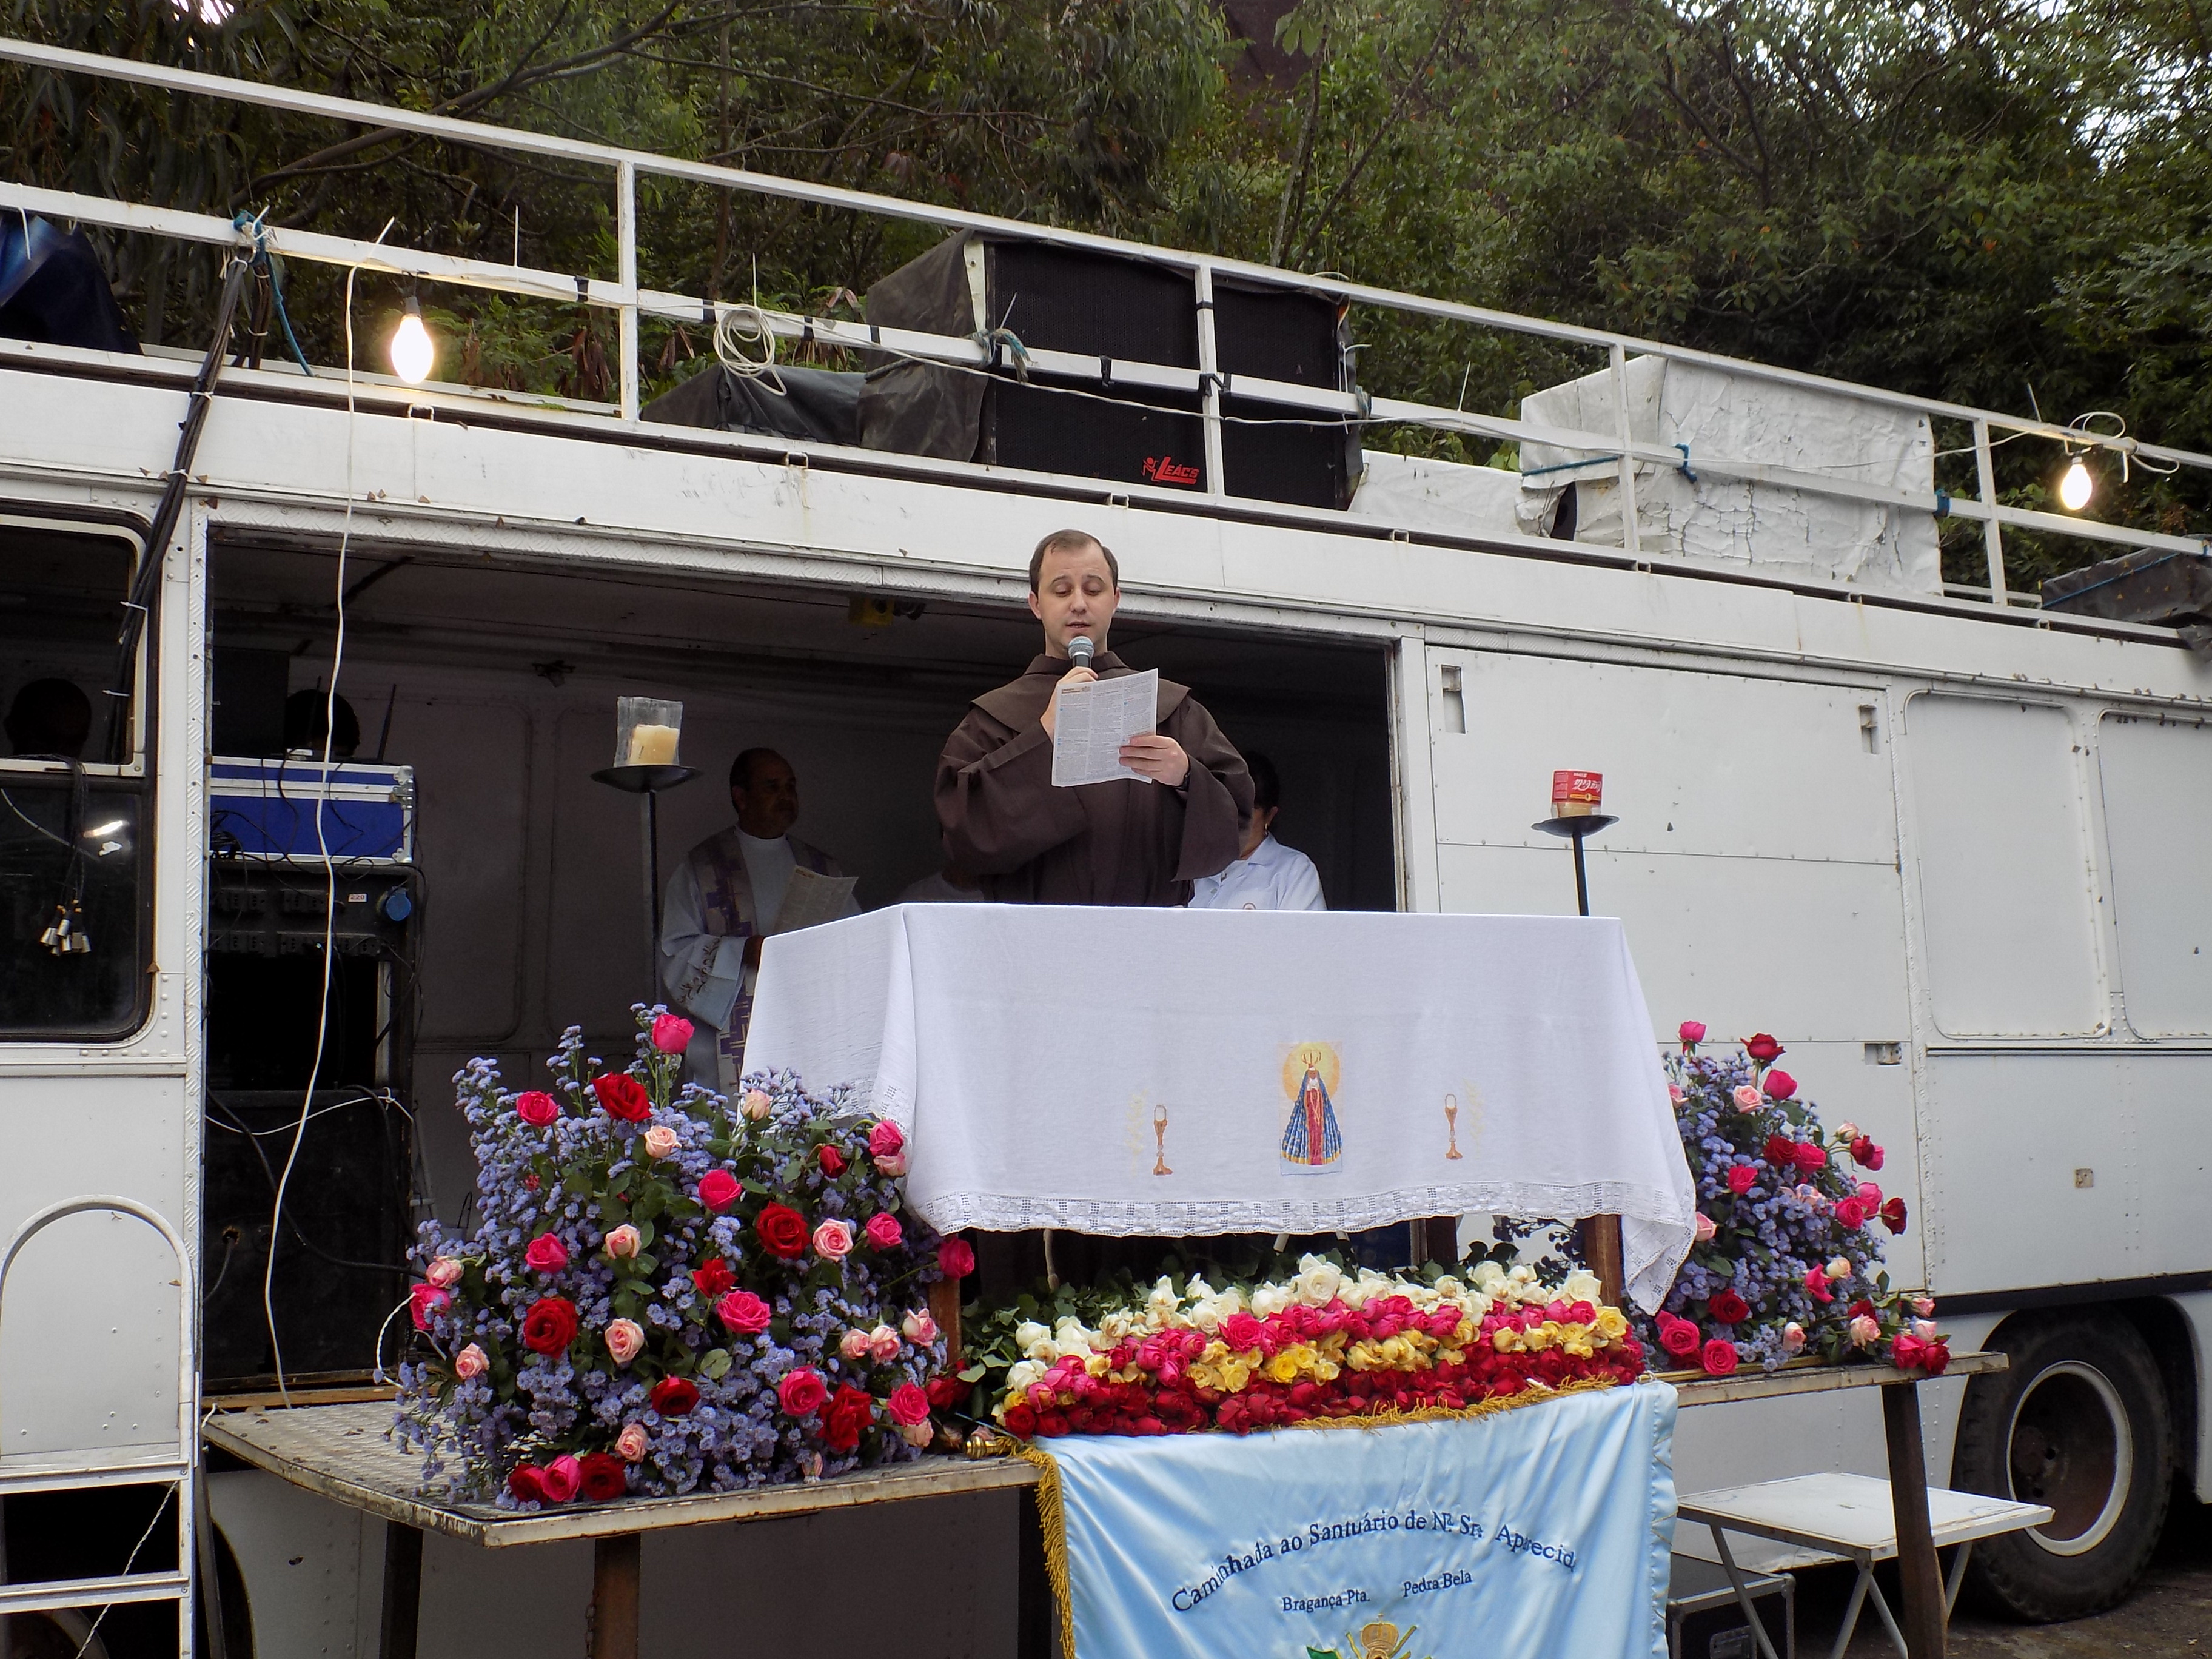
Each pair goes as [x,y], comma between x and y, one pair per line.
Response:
[1050,719]
[1159,757]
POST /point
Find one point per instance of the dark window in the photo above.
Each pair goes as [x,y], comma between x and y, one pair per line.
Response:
[74,834]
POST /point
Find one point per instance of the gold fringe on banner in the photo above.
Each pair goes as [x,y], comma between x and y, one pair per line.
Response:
[1052,1512]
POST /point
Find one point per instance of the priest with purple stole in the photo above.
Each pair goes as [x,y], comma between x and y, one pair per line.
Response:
[1129,840]
[719,906]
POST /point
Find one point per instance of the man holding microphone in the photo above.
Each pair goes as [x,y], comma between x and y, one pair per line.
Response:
[1123,841]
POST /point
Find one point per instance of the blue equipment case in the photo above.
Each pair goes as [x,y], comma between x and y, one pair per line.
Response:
[265,810]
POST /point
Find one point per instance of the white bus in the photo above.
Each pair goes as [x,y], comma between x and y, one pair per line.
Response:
[1940,841]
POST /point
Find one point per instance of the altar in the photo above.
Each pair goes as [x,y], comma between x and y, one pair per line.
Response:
[1184,1072]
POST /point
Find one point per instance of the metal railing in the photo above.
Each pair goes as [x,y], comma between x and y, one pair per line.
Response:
[630,302]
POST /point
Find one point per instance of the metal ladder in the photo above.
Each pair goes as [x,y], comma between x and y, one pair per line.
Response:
[180,1470]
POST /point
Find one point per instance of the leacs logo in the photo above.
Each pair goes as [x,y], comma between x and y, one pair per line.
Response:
[1165,469]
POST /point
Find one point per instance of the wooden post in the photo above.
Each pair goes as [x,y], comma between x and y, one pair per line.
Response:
[403,1590]
[945,1309]
[1035,1618]
[1602,1243]
[617,1567]
[1921,1579]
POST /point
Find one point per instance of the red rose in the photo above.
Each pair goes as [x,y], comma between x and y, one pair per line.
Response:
[743,1313]
[1719,1358]
[1741,1178]
[946,1392]
[527,1484]
[1021,1421]
[1763,1049]
[1905,1352]
[718,1190]
[1780,1150]
[713,1278]
[1679,1338]
[1692,1033]
[605,1478]
[801,1392]
[623,1097]
[832,1160]
[1780,1085]
[549,1326]
[1860,1308]
[1811,1157]
[424,1299]
[1850,1213]
[852,1411]
[907,1405]
[782,1232]
[1865,1153]
[956,1258]
[1241,1331]
[536,1108]
[1729,1309]
[1893,1215]
[674,1396]
[1935,1357]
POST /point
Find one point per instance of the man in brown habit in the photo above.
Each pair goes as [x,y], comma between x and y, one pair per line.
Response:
[1119,842]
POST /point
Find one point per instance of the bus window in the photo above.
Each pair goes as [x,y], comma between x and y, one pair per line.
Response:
[2157,779]
[2004,878]
[74,932]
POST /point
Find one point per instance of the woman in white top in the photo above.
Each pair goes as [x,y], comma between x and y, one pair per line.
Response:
[1267,875]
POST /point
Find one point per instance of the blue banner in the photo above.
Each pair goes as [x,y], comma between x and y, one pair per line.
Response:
[1537,1533]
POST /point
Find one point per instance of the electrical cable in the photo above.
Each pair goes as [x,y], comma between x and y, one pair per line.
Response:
[159,1510]
[237,1126]
[732,338]
[330,865]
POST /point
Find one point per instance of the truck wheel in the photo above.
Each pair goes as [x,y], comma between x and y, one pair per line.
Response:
[2080,1423]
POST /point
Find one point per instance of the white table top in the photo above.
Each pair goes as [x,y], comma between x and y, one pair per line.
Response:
[1851,1515]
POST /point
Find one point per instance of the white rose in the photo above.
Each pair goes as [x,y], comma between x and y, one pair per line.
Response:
[1269,1300]
[1449,1289]
[1522,1275]
[1029,1334]
[1022,1372]
[1580,1287]
[1489,1278]
[1071,1348]
[1230,1301]
[1198,1291]
[1476,1305]
[1318,1281]
[1205,1314]
[1115,1326]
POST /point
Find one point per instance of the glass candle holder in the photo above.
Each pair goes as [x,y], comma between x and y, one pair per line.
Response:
[647,731]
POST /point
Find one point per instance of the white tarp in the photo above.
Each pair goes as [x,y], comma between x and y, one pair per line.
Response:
[1721,416]
[1415,493]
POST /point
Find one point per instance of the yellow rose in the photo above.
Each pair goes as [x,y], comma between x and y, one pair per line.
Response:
[1283,1367]
[1612,1324]
[1506,1339]
[1541,1337]
[1576,1340]
[1235,1374]
[1204,1376]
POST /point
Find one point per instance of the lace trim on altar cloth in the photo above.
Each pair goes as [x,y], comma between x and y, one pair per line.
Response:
[1655,1231]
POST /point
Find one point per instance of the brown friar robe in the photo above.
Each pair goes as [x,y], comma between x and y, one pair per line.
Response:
[1126,841]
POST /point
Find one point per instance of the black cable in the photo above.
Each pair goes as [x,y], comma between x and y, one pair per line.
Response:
[253,1140]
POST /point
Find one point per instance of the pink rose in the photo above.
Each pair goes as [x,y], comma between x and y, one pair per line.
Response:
[1704,1228]
[718,1190]
[1747,1098]
[1793,1338]
[916,1434]
[1780,1085]
[801,1392]
[546,1253]
[1718,1358]
[1816,1281]
[671,1035]
[660,1141]
[907,1405]
[743,1313]
[1925,1305]
[756,1105]
[883,1345]
[891,1163]
[1847,1132]
[1741,1178]
[883,1230]
[1870,1196]
[919,1328]
[563,1478]
[1925,1330]
[854,1345]
[833,1240]
[537,1107]
[1675,1094]
[956,1258]
[885,1139]
[624,1242]
[444,1272]
[1850,1213]
[1864,1329]
[630,1443]
[1692,1032]
[471,1361]
[624,1338]
[424,1300]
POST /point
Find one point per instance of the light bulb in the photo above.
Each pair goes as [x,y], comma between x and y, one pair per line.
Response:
[413,351]
[2076,488]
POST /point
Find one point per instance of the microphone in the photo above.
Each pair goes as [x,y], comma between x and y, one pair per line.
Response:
[1080,651]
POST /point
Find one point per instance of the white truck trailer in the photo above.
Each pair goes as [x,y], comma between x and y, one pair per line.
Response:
[1942,842]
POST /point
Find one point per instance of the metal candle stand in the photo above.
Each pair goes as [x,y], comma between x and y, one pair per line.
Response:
[1578,829]
[648,781]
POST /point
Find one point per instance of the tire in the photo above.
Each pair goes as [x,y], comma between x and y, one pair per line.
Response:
[2079,1422]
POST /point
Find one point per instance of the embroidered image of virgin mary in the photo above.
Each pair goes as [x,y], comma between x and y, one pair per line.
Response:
[1312,1142]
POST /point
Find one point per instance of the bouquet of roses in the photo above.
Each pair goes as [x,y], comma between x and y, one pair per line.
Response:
[1325,1344]
[1787,1261]
[665,1294]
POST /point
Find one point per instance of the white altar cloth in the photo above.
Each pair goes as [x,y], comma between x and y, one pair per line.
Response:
[1186,1071]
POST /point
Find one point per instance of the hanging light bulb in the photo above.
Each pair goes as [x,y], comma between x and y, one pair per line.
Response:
[413,351]
[2077,487]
